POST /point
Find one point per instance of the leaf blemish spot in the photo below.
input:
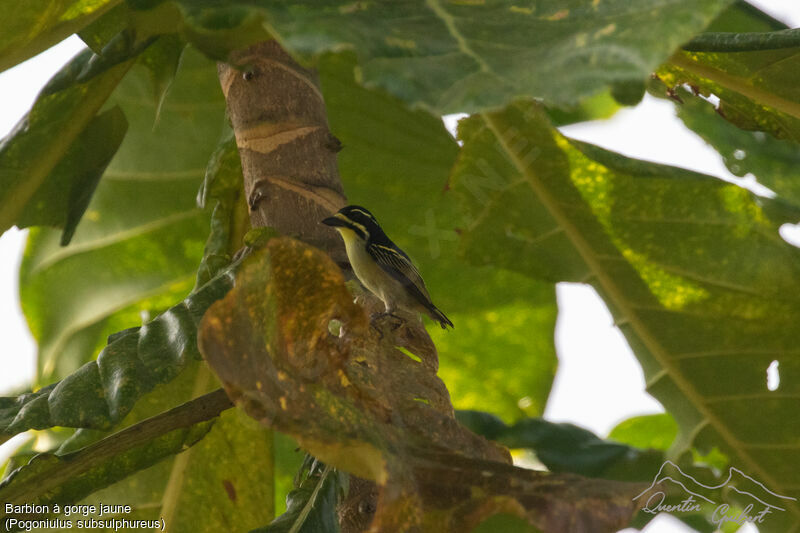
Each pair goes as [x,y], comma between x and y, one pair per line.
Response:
[607,30]
[521,10]
[559,15]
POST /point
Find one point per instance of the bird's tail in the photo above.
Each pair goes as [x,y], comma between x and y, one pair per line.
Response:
[440,317]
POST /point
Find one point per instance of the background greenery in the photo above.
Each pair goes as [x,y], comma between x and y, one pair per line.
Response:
[693,269]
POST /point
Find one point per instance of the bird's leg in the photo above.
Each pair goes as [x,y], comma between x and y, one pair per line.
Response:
[389,311]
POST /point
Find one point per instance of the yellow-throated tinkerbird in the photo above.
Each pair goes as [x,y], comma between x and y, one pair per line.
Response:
[381,266]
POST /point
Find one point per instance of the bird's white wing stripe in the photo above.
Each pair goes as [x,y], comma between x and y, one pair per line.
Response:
[389,256]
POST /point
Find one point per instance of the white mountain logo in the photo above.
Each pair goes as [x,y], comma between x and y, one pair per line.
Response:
[669,476]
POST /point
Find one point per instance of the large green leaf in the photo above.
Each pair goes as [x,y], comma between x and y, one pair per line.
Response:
[395,162]
[773,162]
[466,56]
[137,248]
[102,392]
[49,163]
[757,90]
[692,268]
[753,74]
[82,167]
[30,27]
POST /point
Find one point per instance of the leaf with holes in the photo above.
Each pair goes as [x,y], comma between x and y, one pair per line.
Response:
[775,163]
[692,268]
[742,64]
[757,89]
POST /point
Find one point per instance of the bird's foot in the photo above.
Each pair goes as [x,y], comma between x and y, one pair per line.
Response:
[396,323]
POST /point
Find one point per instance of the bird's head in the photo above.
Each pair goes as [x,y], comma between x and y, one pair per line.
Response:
[355,220]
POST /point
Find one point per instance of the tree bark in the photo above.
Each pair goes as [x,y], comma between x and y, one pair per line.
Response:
[288,153]
[291,179]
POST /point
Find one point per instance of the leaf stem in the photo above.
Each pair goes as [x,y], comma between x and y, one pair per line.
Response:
[744,42]
[301,518]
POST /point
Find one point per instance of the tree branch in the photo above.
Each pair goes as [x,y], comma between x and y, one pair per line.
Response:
[74,464]
[288,154]
[744,42]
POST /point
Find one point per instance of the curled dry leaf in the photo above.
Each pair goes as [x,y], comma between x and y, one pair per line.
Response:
[357,402]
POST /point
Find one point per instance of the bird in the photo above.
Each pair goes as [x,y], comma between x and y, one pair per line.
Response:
[381,266]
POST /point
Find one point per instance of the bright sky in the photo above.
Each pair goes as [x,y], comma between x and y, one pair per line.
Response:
[599,382]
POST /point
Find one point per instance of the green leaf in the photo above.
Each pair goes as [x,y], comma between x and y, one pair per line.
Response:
[757,90]
[33,26]
[224,479]
[647,431]
[565,447]
[288,460]
[47,167]
[50,478]
[396,161]
[743,17]
[311,506]
[98,34]
[453,57]
[223,187]
[750,73]
[81,168]
[439,55]
[773,162]
[102,392]
[224,483]
[137,248]
[692,269]
[162,60]
[755,87]
[597,107]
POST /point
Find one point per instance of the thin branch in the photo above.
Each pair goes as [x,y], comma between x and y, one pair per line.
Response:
[76,463]
[301,518]
[744,42]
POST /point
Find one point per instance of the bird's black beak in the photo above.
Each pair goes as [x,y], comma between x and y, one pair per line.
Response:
[333,221]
